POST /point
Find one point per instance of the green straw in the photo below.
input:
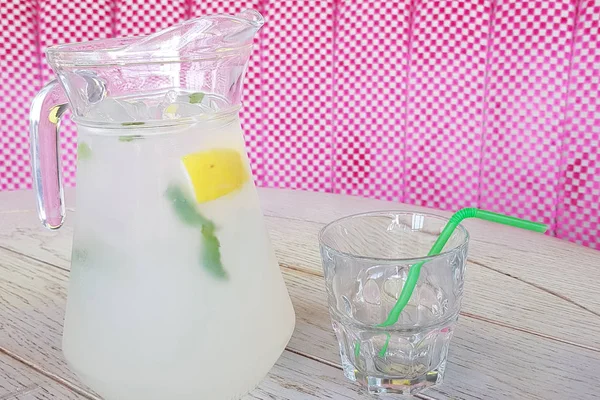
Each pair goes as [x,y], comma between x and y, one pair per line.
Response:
[438,246]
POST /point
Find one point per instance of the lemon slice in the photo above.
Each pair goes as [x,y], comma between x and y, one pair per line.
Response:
[215,173]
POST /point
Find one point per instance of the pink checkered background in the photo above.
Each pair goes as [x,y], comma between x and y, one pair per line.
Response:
[488,103]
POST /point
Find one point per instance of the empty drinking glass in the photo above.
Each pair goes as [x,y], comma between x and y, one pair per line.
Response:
[366,259]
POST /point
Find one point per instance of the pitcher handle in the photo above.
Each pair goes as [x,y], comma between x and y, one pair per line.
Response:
[47,108]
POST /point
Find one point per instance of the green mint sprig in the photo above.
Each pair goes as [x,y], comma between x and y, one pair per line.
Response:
[211,258]
[84,151]
[133,123]
[187,213]
[129,138]
[196,98]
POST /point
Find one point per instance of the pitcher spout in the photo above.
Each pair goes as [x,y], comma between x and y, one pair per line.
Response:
[204,37]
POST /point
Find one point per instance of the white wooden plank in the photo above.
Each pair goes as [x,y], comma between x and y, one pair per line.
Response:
[20,382]
[22,232]
[298,378]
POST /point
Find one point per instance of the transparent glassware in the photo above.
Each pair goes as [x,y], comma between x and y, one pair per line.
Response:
[175,291]
[366,259]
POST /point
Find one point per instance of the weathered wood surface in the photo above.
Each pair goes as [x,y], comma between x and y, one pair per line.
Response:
[20,382]
[526,331]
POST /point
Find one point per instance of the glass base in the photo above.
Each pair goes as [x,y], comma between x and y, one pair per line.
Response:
[396,385]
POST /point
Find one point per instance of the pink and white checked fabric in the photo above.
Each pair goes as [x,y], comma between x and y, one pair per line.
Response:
[446,86]
[526,96]
[371,55]
[19,81]
[142,17]
[579,187]
[443,103]
[297,95]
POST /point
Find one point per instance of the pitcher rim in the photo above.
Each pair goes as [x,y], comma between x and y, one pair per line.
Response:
[113,51]
[65,55]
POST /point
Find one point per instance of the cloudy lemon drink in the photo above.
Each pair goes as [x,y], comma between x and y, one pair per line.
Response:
[174,291]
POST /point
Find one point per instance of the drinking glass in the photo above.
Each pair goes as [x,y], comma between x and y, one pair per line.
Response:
[366,259]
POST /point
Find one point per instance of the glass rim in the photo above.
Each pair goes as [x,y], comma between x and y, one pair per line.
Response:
[464,241]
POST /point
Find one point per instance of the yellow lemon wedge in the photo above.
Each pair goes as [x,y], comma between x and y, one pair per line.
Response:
[215,173]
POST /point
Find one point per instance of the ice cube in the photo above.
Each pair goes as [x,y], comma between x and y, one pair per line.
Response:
[94,87]
[215,103]
[111,110]
[138,110]
[193,98]
[170,97]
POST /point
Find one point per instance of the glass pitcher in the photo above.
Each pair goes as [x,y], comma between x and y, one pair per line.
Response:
[175,292]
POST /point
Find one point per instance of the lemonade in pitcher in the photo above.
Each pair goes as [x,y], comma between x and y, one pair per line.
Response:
[175,292]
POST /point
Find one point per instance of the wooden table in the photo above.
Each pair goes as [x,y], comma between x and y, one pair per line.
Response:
[530,326]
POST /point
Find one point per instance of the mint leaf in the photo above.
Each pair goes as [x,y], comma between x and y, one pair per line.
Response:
[133,123]
[186,211]
[84,152]
[129,138]
[211,257]
[196,98]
